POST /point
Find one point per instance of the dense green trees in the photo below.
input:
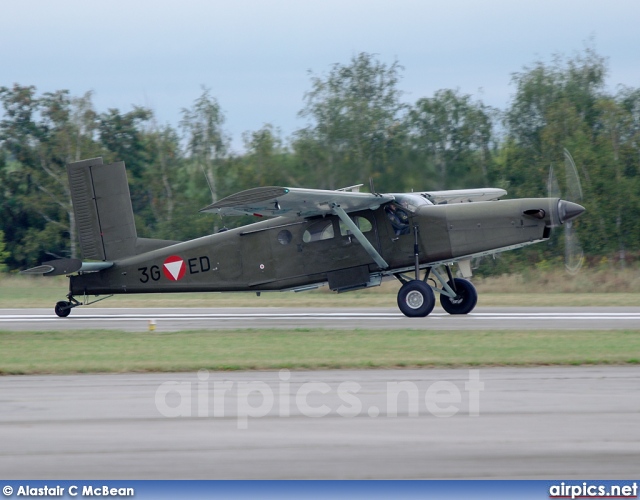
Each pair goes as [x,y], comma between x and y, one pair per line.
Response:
[358,127]
[454,137]
[565,105]
[4,255]
[355,113]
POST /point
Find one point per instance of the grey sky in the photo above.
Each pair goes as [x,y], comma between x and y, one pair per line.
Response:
[255,55]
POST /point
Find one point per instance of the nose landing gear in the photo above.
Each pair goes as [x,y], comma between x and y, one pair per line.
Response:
[465,300]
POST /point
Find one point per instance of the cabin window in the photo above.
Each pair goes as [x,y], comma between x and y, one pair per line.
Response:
[285,237]
[321,230]
[361,222]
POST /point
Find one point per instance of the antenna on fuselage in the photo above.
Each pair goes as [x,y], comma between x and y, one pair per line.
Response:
[213,199]
[206,177]
[371,188]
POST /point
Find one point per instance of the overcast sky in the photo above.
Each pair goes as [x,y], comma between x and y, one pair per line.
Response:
[255,55]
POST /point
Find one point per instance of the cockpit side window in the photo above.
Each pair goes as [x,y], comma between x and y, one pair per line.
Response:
[398,217]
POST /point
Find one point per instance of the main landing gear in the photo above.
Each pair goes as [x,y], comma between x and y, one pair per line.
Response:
[416,297]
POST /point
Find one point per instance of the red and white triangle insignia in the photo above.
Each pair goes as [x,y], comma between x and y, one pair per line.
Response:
[174,268]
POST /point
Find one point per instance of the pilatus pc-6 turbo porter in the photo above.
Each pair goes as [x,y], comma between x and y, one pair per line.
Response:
[345,238]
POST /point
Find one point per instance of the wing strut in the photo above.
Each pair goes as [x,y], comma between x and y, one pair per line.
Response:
[360,237]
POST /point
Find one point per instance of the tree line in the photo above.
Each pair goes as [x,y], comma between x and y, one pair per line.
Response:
[357,127]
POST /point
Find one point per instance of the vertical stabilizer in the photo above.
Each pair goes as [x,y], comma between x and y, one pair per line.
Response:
[103,211]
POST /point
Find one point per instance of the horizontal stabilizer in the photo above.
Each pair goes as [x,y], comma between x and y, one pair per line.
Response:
[61,267]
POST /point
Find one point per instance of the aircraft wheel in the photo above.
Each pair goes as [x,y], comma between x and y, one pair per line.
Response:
[416,299]
[63,309]
[465,301]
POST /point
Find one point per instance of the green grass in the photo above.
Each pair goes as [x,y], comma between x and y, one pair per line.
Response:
[114,351]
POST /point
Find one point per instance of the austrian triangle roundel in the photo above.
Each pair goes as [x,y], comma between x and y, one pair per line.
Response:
[174,268]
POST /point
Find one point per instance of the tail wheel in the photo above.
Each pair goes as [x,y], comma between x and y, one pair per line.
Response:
[464,302]
[63,309]
[416,299]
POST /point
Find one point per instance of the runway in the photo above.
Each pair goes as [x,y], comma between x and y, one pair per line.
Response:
[547,422]
[173,319]
[528,423]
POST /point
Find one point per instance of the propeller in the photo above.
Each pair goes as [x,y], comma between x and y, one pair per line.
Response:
[573,253]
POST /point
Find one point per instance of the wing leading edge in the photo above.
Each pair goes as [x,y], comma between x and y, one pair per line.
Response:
[463,195]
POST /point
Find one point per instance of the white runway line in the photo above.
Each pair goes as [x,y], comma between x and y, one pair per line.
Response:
[568,316]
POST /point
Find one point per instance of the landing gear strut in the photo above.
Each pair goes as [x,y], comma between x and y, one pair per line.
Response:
[415,298]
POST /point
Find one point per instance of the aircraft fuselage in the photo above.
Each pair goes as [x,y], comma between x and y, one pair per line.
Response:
[292,253]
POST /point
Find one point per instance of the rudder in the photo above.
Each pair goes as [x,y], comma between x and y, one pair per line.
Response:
[103,210]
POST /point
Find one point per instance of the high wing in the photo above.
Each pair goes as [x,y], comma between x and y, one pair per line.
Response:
[463,195]
[274,201]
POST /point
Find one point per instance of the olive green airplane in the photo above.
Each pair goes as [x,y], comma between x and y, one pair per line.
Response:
[345,239]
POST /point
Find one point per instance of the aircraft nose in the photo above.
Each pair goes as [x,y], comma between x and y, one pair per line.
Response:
[568,210]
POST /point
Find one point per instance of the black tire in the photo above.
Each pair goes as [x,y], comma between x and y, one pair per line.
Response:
[63,309]
[465,301]
[416,299]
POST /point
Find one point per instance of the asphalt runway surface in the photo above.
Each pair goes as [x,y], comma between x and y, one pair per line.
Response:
[510,423]
[173,319]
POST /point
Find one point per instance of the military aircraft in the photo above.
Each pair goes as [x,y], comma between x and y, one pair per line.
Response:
[310,238]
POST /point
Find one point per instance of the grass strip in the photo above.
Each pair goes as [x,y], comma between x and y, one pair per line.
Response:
[114,351]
